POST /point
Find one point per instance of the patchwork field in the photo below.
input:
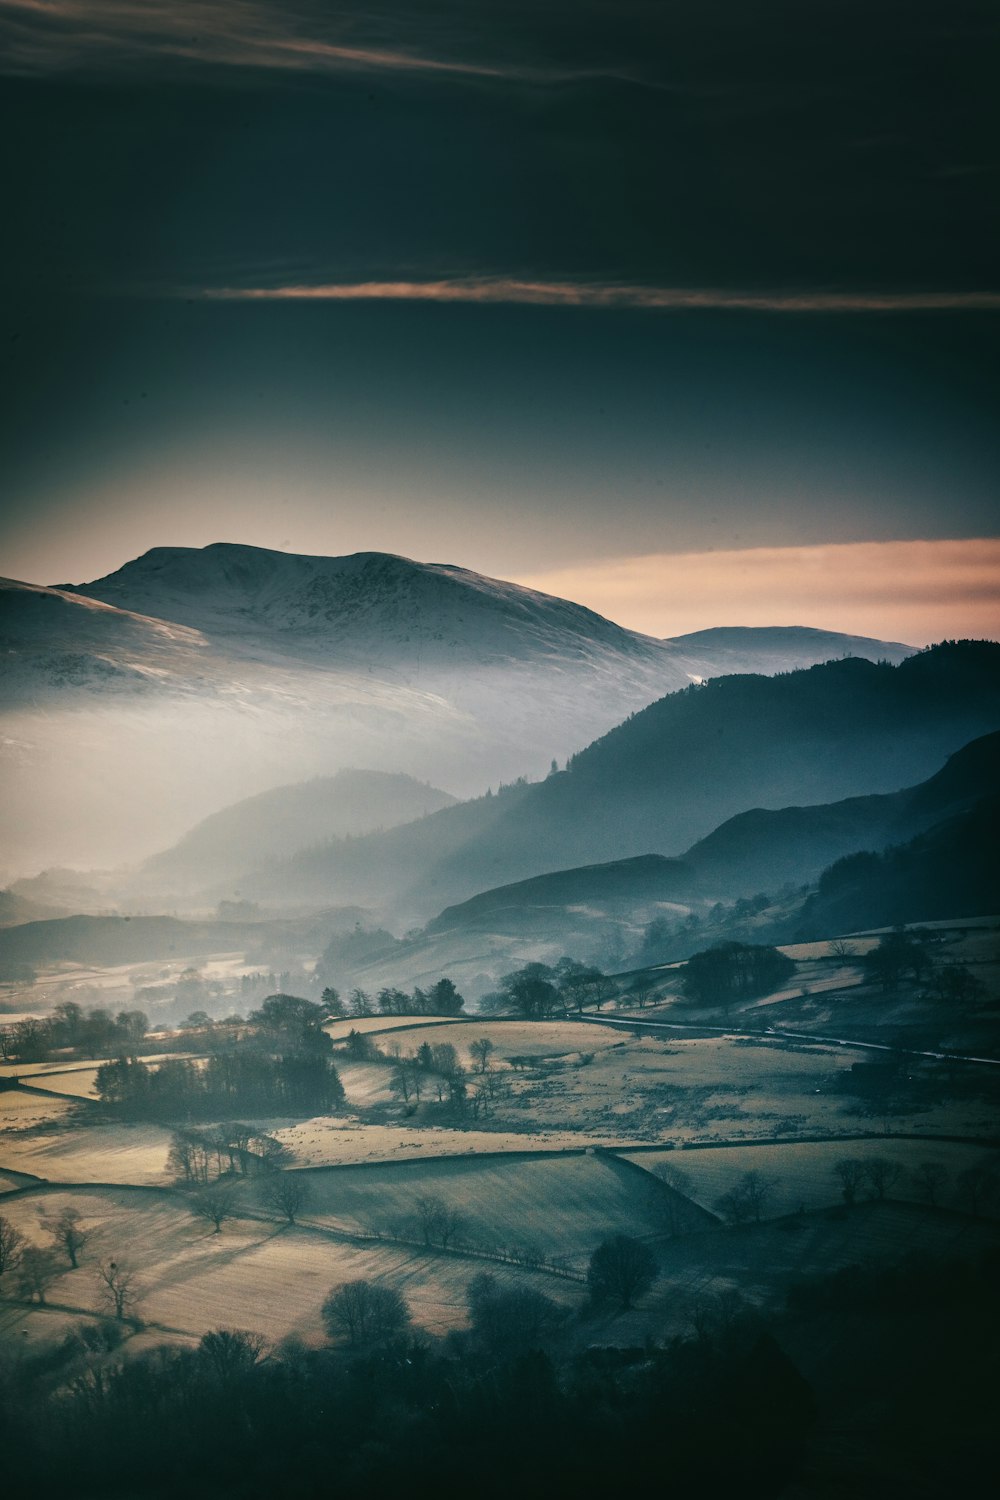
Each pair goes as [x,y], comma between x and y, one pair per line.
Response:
[330,1141]
[96,1153]
[254,1274]
[561,1206]
[801,1175]
[525,1194]
[21,1110]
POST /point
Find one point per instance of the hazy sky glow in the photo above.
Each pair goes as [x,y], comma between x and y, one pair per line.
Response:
[633,300]
[905,591]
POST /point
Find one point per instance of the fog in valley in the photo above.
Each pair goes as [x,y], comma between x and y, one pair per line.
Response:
[499,731]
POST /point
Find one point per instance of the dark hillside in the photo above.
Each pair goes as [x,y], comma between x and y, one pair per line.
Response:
[952,870]
[672,773]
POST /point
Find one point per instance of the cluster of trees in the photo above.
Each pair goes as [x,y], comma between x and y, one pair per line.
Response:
[899,955]
[537,991]
[384,1409]
[976,1189]
[734,971]
[33,1268]
[433,1070]
[280,1063]
[91,1033]
[747,1200]
[197,1156]
[667,938]
[248,1077]
[442,999]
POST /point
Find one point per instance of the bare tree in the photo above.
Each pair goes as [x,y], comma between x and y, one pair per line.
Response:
[36,1271]
[841,948]
[439,1222]
[930,1179]
[881,1175]
[850,1172]
[11,1246]
[621,1268]
[747,1199]
[479,1051]
[214,1204]
[117,1286]
[231,1351]
[67,1234]
[286,1192]
[511,1320]
[365,1313]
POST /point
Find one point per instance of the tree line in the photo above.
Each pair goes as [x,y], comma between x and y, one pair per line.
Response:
[92,1033]
[279,1063]
[442,999]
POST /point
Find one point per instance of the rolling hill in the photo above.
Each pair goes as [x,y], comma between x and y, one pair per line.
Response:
[288,818]
[138,704]
[670,775]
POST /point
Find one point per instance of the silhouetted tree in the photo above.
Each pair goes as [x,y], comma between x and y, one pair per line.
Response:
[930,1179]
[530,991]
[36,1271]
[286,1192]
[508,1321]
[881,1175]
[438,1221]
[12,1244]
[850,1173]
[747,1198]
[734,971]
[214,1204]
[118,1287]
[621,1269]
[365,1313]
[68,1235]
[231,1352]
[444,1000]
[479,1051]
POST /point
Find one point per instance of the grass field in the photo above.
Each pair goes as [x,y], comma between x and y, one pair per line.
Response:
[95,1153]
[21,1110]
[254,1274]
[802,1173]
[561,1206]
[329,1141]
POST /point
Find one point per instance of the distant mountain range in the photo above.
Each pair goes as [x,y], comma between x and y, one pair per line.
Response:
[673,773]
[924,852]
[757,851]
[135,705]
[287,819]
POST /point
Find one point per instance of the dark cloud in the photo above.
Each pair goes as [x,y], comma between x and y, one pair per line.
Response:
[496,250]
[835,146]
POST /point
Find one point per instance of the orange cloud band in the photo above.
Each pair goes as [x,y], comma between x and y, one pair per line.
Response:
[598,294]
[916,591]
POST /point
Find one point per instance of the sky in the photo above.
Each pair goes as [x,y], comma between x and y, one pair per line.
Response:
[687,311]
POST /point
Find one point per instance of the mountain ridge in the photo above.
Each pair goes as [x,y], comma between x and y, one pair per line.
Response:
[673,773]
[212,674]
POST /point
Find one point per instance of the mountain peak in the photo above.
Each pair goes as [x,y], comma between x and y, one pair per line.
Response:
[364,603]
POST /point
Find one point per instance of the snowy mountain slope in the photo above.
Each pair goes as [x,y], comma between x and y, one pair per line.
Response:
[382,608]
[60,639]
[371,605]
[144,701]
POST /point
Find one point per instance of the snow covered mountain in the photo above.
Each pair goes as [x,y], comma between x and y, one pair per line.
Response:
[372,607]
[137,704]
